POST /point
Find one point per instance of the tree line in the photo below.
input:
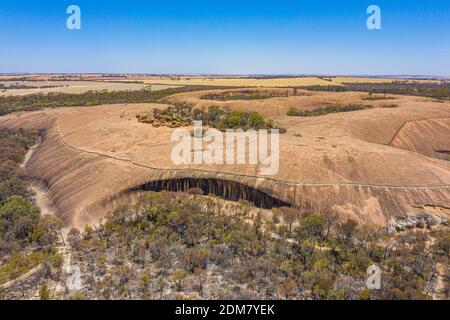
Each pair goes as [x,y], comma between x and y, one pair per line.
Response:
[27,238]
[437,90]
[30,102]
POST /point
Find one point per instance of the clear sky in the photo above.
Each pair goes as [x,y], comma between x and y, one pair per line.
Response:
[226,37]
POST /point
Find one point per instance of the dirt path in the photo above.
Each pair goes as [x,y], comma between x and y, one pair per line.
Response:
[47,208]
[440,282]
[40,196]
[23,277]
[42,200]
[29,154]
[40,191]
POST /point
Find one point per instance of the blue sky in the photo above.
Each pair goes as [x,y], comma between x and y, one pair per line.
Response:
[227,37]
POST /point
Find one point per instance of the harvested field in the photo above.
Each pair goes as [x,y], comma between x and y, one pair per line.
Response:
[264,82]
[74,87]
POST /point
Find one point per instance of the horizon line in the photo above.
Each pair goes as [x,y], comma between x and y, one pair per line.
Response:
[233,74]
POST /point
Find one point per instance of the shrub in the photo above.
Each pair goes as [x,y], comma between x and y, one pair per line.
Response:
[327,109]
[390,105]
[255,120]
[233,121]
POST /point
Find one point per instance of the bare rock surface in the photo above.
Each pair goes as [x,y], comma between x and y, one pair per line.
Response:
[372,165]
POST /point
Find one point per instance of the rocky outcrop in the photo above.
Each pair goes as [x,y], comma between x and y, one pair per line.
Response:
[85,185]
[94,159]
[228,189]
[430,137]
[416,220]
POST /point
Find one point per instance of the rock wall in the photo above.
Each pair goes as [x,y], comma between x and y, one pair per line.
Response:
[429,137]
[84,183]
[83,186]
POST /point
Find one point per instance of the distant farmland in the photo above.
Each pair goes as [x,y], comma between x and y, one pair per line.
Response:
[73,87]
[263,82]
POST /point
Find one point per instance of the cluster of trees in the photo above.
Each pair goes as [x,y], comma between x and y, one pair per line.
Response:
[17,79]
[244,95]
[373,97]
[438,90]
[173,245]
[182,114]
[336,108]
[223,119]
[10,104]
[13,147]
[5,87]
[27,238]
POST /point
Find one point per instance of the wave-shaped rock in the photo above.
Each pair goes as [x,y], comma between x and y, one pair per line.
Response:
[94,159]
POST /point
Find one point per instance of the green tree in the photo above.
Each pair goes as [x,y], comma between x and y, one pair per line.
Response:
[178,277]
[233,121]
[18,217]
[44,293]
[311,226]
[256,120]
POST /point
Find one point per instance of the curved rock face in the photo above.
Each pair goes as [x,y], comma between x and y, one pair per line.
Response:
[228,189]
[430,137]
[94,159]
